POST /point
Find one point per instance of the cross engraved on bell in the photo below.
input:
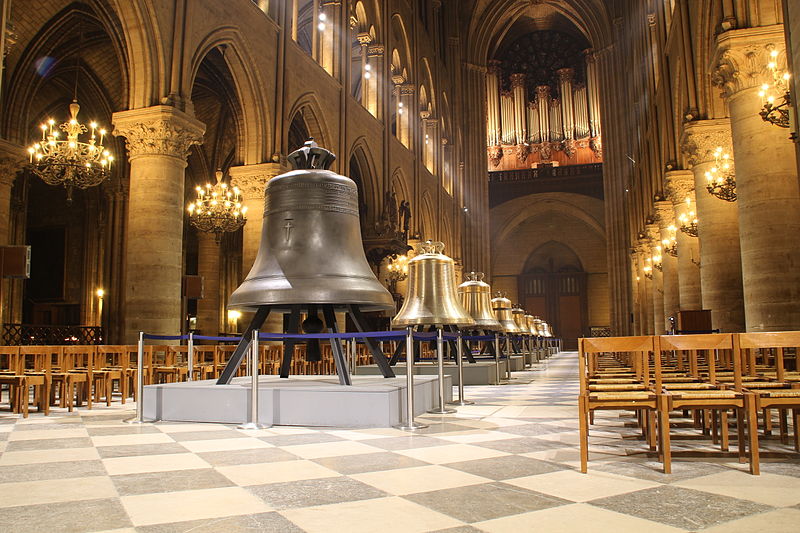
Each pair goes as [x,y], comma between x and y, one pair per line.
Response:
[288,227]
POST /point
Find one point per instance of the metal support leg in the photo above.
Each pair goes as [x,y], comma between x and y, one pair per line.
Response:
[510,345]
[441,409]
[190,357]
[252,363]
[460,363]
[336,346]
[411,424]
[236,357]
[497,356]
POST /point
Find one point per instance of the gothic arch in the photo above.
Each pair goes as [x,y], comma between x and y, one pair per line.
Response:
[361,156]
[253,116]
[427,228]
[400,42]
[561,258]
[307,109]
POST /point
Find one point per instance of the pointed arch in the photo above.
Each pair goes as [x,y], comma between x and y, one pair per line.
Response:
[254,117]
[368,193]
[427,227]
[307,109]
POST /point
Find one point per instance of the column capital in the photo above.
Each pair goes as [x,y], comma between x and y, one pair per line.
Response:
[543,92]
[517,80]
[375,50]
[665,213]
[680,184]
[565,74]
[12,159]
[494,67]
[653,232]
[252,179]
[701,137]
[741,57]
[158,130]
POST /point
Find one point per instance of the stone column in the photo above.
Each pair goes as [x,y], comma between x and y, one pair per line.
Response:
[208,307]
[12,158]
[646,296]
[680,184]
[158,140]
[659,322]
[717,228]
[766,182]
[669,264]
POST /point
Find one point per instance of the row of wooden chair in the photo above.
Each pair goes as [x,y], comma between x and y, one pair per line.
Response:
[708,376]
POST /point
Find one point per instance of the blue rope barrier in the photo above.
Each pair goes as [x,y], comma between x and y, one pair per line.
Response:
[380,335]
[166,337]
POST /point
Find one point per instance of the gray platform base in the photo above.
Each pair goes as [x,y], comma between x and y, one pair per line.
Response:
[478,373]
[298,401]
[517,363]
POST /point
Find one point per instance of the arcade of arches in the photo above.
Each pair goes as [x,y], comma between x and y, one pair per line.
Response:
[553,144]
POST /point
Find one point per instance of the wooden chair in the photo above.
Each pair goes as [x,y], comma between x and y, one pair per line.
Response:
[114,362]
[35,364]
[174,366]
[203,363]
[781,394]
[636,394]
[75,382]
[11,376]
[700,394]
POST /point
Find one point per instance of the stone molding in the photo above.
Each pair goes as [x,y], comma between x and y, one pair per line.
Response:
[252,179]
[701,137]
[665,213]
[517,80]
[12,160]
[680,184]
[158,130]
[741,58]
[653,232]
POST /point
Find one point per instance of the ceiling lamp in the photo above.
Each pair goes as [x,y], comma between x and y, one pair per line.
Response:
[722,178]
[65,160]
[218,209]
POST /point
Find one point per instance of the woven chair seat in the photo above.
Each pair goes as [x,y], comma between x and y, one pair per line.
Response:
[766,385]
[613,380]
[613,387]
[707,395]
[689,386]
[622,395]
[788,393]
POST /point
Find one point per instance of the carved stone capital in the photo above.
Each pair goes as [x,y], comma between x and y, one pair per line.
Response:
[158,130]
[364,38]
[12,159]
[494,67]
[252,179]
[665,213]
[517,80]
[375,50]
[701,137]
[741,58]
[565,74]
[407,89]
[543,92]
[680,184]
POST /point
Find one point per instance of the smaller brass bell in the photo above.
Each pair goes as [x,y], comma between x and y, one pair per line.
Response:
[537,324]
[548,332]
[431,293]
[518,313]
[476,299]
[502,311]
[530,325]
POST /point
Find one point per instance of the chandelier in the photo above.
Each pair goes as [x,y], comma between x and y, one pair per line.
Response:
[722,178]
[775,97]
[68,161]
[397,271]
[648,269]
[656,259]
[688,220]
[217,209]
[670,244]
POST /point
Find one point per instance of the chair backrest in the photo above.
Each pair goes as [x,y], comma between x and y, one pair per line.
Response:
[75,356]
[9,359]
[113,355]
[636,350]
[779,341]
[38,358]
[711,343]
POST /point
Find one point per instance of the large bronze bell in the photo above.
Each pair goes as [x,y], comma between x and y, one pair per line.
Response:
[476,298]
[431,294]
[311,250]
[537,324]
[502,311]
[530,327]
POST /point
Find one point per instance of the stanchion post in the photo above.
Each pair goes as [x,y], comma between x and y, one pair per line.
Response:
[509,352]
[410,424]
[252,360]
[190,356]
[139,418]
[460,363]
[441,409]
[497,356]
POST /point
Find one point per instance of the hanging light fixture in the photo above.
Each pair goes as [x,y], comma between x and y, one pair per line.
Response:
[656,259]
[648,268]
[670,244]
[218,208]
[722,177]
[688,220]
[775,97]
[62,158]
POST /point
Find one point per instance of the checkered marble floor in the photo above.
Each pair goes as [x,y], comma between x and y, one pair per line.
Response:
[507,463]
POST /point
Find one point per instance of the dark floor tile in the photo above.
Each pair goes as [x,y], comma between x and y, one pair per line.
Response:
[302,438]
[206,435]
[263,522]
[407,443]
[533,430]
[475,503]
[246,457]
[459,529]
[680,507]
[521,445]
[152,482]
[40,472]
[88,515]
[653,470]
[789,467]
[368,462]
[49,426]
[132,429]
[48,444]
[506,467]
[311,492]
[130,450]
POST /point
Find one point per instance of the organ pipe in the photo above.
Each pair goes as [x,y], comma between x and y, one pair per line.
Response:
[518,91]
[493,103]
[556,127]
[543,99]
[507,117]
[592,88]
[581,112]
[565,76]
[535,135]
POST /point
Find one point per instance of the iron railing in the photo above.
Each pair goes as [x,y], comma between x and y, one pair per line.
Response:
[29,334]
